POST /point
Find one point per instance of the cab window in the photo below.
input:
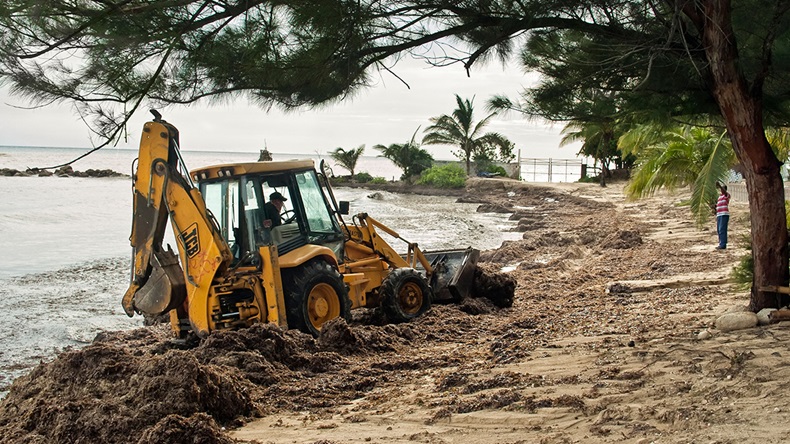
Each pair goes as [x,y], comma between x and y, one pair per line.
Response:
[319,219]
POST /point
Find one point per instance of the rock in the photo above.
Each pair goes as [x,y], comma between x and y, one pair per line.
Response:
[64,171]
[703,335]
[764,316]
[495,208]
[736,321]
[376,196]
[100,173]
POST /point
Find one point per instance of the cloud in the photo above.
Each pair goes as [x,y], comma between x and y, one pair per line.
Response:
[389,112]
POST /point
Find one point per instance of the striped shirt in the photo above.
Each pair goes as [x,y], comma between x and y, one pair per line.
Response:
[723,205]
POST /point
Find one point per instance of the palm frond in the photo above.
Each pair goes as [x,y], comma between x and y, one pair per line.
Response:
[703,193]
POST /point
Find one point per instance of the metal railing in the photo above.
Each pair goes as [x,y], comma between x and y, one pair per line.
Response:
[550,170]
[739,194]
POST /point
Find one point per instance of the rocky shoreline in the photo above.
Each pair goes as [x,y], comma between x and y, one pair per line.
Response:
[66,171]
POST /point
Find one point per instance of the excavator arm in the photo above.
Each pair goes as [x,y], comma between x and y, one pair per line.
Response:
[159,283]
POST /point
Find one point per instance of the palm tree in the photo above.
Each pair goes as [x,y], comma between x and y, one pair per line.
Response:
[347,159]
[598,139]
[409,156]
[678,157]
[779,138]
[460,130]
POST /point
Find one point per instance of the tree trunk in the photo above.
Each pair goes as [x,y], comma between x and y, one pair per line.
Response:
[604,170]
[741,108]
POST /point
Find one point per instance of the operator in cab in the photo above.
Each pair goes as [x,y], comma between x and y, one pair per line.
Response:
[273,208]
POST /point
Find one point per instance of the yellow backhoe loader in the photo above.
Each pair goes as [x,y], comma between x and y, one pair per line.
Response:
[239,262]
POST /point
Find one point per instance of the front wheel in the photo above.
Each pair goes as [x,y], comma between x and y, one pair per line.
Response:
[405,295]
[314,294]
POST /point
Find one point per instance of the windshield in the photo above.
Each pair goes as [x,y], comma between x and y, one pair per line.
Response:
[319,218]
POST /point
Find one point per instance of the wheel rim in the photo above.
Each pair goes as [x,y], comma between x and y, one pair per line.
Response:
[323,304]
[410,297]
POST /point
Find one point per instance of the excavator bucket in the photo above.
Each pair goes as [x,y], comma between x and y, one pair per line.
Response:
[454,273]
[165,288]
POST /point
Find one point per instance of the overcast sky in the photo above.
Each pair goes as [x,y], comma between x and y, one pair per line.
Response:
[386,113]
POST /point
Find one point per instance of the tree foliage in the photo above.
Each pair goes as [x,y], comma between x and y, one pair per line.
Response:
[681,156]
[459,129]
[599,141]
[409,157]
[347,158]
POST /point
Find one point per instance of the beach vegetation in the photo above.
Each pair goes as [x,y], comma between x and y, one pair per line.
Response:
[363,177]
[459,129]
[347,158]
[445,176]
[409,157]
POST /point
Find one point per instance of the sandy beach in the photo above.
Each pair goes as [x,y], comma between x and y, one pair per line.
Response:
[602,344]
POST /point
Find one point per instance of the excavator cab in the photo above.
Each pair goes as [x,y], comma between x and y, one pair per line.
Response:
[240,199]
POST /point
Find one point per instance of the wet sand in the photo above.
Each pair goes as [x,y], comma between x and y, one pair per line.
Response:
[599,345]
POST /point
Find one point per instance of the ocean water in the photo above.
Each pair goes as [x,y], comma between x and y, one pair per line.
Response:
[65,244]
[120,160]
[48,222]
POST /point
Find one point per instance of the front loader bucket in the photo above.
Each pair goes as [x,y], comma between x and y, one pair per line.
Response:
[454,273]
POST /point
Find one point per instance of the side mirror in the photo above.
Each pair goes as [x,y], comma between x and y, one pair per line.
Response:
[344,206]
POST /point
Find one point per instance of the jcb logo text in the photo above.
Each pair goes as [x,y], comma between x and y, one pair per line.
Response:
[191,241]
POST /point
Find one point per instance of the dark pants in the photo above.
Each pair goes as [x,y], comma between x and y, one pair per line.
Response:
[721,227]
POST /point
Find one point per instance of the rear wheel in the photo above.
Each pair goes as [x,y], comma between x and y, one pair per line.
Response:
[405,295]
[314,294]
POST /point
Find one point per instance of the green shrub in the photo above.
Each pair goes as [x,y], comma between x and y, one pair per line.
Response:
[743,273]
[339,180]
[447,176]
[496,170]
[363,177]
[589,179]
[378,180]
